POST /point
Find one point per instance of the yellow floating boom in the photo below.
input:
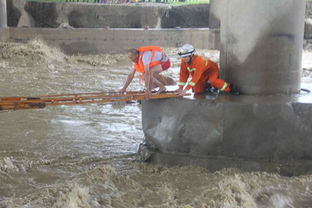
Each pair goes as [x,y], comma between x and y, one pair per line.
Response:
[18,103]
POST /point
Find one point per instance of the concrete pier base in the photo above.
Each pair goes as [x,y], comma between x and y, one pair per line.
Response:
[267,128]
[4,34]
[253,130]
[282,167]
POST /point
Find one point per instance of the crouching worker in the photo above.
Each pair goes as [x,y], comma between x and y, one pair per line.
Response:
[203,72]
[150,61]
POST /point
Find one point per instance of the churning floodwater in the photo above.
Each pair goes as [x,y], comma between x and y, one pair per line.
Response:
[84,156]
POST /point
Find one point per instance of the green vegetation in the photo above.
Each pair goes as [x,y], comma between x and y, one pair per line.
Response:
[172,2]
[64,1]
[186,2]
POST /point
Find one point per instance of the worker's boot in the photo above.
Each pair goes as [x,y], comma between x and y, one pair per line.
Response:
[210,89]
[234,90]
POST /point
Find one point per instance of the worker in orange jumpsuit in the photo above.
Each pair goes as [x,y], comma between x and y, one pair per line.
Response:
[203,71]
[150,61]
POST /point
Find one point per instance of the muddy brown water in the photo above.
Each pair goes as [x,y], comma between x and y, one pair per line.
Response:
[85,155]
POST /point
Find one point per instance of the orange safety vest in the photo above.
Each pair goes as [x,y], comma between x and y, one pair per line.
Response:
[139,66]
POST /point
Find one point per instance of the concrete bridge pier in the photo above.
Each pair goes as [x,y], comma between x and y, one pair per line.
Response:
[261,44]
[3,14]
[215,10]
[268,128]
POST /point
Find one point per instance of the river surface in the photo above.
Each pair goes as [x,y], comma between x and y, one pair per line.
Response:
[84,156]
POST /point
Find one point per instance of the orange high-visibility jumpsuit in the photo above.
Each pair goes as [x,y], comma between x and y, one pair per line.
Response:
[201,70]
[140,66]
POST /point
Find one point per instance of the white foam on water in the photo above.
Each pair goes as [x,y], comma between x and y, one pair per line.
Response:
[69,156]
[7,165]
[76,197]
[281,201]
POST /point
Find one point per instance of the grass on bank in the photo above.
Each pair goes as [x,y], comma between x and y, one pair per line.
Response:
[171,2]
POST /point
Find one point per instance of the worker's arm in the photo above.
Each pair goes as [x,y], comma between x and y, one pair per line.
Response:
[147,76]
[199,68]
[184,74]
[148,80]
[147,59]
[195,78]
[128,81]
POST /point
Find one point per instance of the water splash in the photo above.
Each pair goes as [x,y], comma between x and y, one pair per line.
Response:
[78,156]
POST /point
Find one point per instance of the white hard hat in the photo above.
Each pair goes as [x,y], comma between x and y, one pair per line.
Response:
[186,50]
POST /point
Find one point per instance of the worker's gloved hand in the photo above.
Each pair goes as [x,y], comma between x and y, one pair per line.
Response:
[234,90]
[179,90]
[182,93]
[210,89]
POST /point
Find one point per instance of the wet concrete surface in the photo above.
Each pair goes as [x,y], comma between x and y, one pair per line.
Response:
[260,128]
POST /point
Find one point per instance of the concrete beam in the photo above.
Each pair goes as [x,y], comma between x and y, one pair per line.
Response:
[3,14]
[261,45]
[87,41]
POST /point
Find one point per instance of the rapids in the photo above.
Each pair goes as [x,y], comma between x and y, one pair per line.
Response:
[85,156]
